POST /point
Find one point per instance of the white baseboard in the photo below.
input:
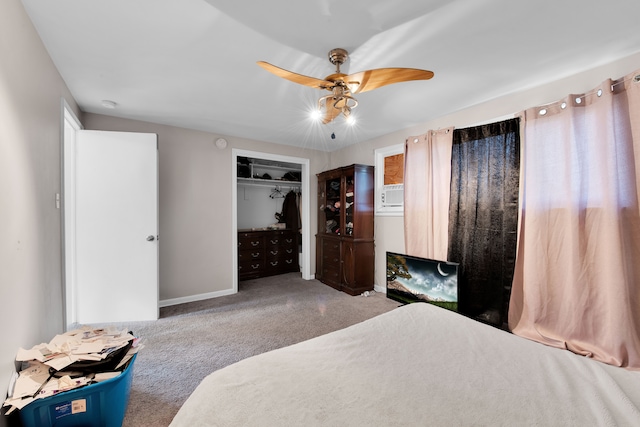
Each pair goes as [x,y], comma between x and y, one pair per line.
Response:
[200,297]
[381,289]
[193,298]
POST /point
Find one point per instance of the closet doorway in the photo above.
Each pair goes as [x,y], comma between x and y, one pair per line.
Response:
[260,178]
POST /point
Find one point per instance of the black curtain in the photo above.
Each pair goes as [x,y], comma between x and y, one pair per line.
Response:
[483,217]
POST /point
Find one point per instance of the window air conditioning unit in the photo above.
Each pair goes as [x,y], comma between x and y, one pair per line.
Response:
[392,195]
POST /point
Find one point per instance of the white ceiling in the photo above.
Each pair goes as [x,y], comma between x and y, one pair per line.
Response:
[192,63]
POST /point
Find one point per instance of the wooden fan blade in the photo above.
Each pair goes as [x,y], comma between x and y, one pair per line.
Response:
[331,112]
[296,78]
[373,79]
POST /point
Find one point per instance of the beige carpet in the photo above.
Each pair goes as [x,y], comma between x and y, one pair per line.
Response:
[192,340]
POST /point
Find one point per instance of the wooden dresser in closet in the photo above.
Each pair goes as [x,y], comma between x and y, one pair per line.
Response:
[264,253]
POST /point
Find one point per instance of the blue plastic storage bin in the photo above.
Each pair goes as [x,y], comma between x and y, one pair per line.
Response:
[97,405]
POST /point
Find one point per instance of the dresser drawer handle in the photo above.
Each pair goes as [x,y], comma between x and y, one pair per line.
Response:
[255,266]
[274,252]
[289,251]
[288,240]
[255,254]
[288,261]
[274,242]
[274,263]
[255,243]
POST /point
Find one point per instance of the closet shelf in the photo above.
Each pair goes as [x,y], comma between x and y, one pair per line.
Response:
[268,182]
[294,168]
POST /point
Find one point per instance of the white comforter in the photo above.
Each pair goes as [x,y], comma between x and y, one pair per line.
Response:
[418,365]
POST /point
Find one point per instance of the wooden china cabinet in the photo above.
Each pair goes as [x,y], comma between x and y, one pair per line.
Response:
[344,243]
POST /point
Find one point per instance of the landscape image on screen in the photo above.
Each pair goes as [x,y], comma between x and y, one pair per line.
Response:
[413,279]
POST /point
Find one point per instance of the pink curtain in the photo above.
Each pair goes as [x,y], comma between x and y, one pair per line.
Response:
[577,275]
[427,179]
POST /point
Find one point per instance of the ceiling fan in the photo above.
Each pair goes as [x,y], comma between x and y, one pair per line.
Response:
[342,86]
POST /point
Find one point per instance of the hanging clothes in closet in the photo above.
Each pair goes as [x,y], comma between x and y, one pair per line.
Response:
[290,210]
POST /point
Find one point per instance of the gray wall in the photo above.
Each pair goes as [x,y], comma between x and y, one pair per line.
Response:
[256,206]
[31,92]
[195,182]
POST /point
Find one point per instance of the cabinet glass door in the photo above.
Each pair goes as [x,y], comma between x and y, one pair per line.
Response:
[332,206]
[349,206]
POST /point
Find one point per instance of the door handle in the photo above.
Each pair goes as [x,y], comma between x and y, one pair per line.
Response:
[150,238]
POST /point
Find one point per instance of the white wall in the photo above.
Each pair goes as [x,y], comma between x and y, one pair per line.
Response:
[31,92]
[389,231]
[256,207]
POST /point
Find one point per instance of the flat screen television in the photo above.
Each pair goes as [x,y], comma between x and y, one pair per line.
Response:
[412,279]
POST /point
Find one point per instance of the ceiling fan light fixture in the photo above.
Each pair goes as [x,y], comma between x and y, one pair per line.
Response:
[351,120]
[343,85]
[316,114]
[349,102]
[338,100]
[322,102]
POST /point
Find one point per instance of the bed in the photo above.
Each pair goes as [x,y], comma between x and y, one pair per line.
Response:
[416,365]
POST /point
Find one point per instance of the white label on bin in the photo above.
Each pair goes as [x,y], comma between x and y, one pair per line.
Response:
[61,410]
[78,406]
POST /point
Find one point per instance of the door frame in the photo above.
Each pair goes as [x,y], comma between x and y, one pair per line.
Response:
[70,125]
[305,217]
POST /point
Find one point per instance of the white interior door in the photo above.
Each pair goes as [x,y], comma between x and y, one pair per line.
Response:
[116,219]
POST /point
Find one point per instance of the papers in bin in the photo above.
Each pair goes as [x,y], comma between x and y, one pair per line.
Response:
[41,374]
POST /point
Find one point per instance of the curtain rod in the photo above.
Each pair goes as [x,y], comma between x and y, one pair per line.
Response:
[635,79]
[578,99]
